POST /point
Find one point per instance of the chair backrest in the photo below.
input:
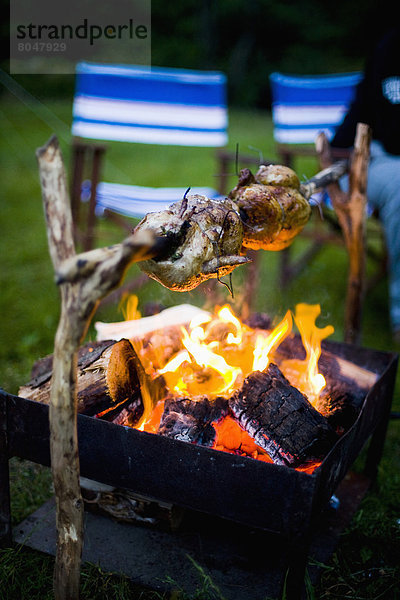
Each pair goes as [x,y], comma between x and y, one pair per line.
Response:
[150,105]
[305,105]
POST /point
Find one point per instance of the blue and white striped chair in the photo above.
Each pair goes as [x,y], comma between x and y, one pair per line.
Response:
[305,105]
[302,107]
[144,105]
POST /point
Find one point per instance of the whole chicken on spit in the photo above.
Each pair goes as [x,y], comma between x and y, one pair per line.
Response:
[206,241]
[209,238]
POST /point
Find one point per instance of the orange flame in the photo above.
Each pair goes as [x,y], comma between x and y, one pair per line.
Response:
[128,305]
[265,345]
[198,354]
[226,315]
[219,352]
[304,374]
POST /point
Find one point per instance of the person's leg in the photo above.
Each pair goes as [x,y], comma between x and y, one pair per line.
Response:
[383,192]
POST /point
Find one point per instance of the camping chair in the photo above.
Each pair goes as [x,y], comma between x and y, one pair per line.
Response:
[140,105]
[302,107]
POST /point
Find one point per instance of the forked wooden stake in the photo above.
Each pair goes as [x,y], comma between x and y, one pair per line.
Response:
[350,208]
[84,280]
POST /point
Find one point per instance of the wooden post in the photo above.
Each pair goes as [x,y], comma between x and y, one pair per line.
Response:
[84,279]
[63,429]
[351,212]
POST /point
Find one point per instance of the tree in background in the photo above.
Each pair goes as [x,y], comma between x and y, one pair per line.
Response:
[248,39]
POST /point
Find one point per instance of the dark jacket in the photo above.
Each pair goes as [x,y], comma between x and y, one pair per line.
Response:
[377,100]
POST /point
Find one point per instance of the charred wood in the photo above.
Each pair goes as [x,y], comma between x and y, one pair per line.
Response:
[347,384]
[280,419]
[190,419]
[128,415]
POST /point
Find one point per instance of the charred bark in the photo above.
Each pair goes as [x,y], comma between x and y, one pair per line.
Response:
[280,419]
[127,415]
[189,419]
[347,384]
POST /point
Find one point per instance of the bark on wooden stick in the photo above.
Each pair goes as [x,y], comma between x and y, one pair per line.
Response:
[63,430]
[351,212]
[82,284]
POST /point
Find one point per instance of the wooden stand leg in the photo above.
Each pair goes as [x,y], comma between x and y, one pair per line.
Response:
[351,212]
[84,279]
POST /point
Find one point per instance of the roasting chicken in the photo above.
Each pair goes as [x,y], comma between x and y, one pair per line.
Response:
[271,206]
[206,240]
[209,238]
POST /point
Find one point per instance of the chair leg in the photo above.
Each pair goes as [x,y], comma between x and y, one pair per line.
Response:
[119,221]
[223,166]
[78,164]
[88,243]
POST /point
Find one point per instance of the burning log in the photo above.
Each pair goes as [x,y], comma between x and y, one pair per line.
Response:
[189,419]
[280,419]
[175,316]
[106,377]
[347,384]
[158,336]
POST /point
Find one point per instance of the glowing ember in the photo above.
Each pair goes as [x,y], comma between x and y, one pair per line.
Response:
[232,438]
[153,422]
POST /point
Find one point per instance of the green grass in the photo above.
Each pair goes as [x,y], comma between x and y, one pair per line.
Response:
[366,564]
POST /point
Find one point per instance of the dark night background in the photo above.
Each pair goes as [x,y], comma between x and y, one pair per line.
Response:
[247,40]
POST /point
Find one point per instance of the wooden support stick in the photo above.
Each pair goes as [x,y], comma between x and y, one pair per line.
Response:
[351,212]
[63,429]
[83,283]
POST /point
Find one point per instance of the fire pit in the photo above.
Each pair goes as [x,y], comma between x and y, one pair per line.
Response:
[259,494]
[254,389]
